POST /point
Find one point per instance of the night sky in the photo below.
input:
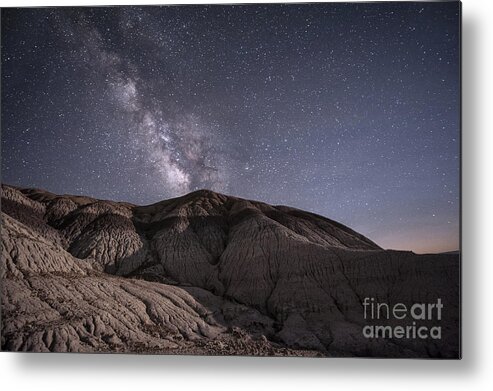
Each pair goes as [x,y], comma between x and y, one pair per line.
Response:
[347,110]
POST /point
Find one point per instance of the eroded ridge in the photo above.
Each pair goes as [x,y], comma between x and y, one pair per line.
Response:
[204,274]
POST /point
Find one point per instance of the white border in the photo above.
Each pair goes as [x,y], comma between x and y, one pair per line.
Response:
[475,371]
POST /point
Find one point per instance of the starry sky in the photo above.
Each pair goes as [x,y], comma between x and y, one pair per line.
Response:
[351,111]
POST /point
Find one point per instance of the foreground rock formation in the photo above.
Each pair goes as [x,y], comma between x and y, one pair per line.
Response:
[205,274]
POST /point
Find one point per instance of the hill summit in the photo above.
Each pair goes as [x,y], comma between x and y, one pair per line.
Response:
[204,273]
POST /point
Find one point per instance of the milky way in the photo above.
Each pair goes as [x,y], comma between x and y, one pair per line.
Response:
[175,148]
[347,110]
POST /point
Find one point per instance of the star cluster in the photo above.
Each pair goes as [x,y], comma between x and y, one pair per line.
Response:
[348,110]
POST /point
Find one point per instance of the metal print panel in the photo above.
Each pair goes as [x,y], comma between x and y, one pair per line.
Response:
[267,180]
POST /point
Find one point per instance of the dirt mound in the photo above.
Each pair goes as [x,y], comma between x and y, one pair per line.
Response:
[205,273]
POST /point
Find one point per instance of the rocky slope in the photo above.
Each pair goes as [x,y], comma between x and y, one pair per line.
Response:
[205,274]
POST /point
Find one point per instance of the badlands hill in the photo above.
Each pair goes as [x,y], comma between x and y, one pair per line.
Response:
[204,274]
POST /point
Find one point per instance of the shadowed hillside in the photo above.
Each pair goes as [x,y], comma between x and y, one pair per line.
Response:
[205,274]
